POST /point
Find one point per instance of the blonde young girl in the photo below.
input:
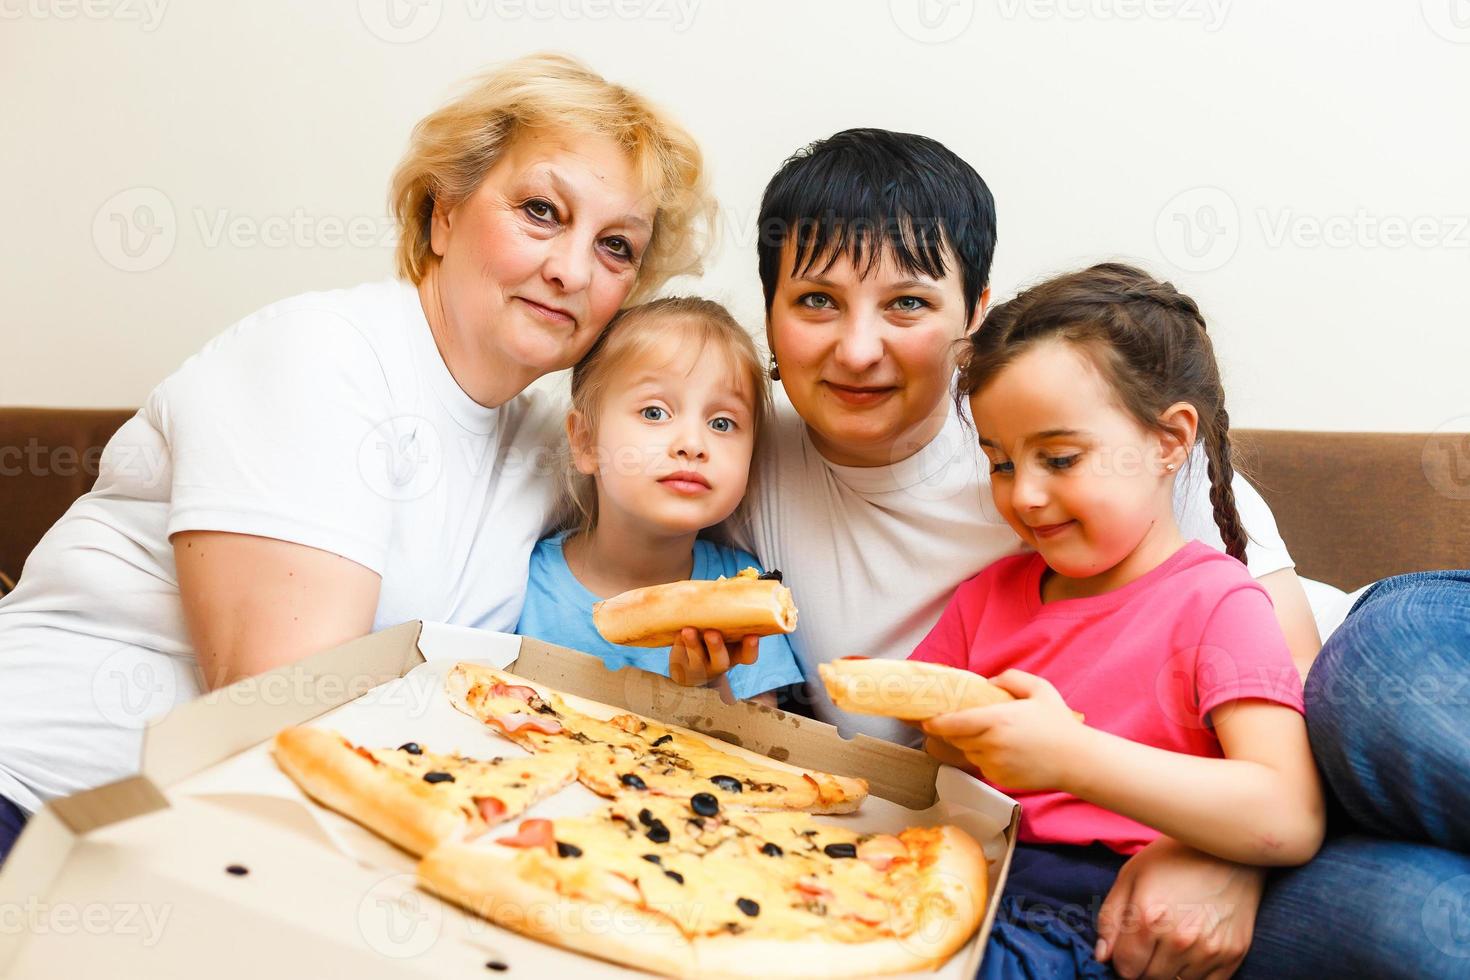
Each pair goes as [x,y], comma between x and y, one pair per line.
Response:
[666,408]
[1089,394]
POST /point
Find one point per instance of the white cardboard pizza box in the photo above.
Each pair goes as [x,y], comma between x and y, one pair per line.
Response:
[212,861]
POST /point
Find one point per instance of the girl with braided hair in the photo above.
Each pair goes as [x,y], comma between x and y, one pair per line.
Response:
[1089,393]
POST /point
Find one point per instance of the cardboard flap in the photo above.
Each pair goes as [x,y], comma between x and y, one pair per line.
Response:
[198,734]
[92,809]
[29,872]
[894,772]
[441,641]
[49,837]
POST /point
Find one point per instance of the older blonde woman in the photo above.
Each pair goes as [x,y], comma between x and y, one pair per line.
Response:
[343,461]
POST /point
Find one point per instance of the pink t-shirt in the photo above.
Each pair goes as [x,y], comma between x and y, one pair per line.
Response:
[1148,662]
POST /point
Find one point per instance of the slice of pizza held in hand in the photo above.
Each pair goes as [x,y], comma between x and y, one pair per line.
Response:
[630,754]
[910,690]
[751,603]
[412,797]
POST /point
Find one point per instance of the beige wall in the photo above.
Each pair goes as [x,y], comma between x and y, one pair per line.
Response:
[170,165]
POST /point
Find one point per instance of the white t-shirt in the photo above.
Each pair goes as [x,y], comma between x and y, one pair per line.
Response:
[873,554]
[327,419]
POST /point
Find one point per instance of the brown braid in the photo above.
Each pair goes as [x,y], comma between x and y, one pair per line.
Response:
[1147,338]
[1222,492]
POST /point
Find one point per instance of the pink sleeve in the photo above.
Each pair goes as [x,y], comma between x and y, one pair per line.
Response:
[1243,654]
[950,639]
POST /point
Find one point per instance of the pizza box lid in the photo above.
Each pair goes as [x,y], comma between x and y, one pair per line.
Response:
[195,863]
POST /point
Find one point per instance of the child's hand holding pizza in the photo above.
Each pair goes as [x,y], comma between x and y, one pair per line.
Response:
[697,657]
[1023,744]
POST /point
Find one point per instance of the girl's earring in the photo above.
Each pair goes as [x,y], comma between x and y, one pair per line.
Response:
[775,371]
[1170,467]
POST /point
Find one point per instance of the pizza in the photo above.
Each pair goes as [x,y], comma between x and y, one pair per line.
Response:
[910,690]
[413,797]
[690,888]
[749,604]
[703,862]
[629,754]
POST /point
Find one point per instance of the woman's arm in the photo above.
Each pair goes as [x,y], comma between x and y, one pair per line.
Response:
[1174,911]
[1262,804]
[1294,614]
[253,603]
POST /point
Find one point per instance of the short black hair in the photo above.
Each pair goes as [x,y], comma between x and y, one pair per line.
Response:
[863,190]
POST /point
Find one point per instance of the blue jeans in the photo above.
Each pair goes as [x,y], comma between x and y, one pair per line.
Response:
[1388,711]
[1046,926]
[11,820]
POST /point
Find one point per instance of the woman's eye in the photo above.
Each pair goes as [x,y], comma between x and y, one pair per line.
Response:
[722,424]
[910,304]
[1062,462]
[1002,467]
[540,210]
[654,414]
[815,301]
[620,247]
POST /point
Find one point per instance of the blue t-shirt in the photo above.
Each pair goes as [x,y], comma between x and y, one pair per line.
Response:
[558,610]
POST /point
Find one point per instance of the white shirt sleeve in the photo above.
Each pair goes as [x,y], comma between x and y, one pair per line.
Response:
[1265,552]
[268,427]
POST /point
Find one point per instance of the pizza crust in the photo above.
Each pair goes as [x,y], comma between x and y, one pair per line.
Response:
[951,906]
[838,794]
[336,776]
[485,881]
[910,690]
[737,607]
[415,815]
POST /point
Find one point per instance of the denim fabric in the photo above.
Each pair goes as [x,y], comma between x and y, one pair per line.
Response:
[1037,943]
[1388,711]
[1047,922]
[1365,907]
[12,819]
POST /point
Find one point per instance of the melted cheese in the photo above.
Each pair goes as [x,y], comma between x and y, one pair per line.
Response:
[516,782]
[678,765]
[721,862]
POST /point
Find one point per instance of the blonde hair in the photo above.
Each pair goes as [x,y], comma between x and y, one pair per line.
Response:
[634,333]
[453,148]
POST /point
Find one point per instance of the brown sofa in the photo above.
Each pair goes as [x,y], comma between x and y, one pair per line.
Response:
[1353,507]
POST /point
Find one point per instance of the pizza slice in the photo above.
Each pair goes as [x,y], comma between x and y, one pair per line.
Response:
[686,888]
[630,754]
[910,690]
[412,797]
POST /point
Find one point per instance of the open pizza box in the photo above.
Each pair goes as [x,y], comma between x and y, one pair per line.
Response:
[212,861]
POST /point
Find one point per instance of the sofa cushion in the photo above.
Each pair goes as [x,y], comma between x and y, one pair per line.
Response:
[48,458]
[1355,507]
